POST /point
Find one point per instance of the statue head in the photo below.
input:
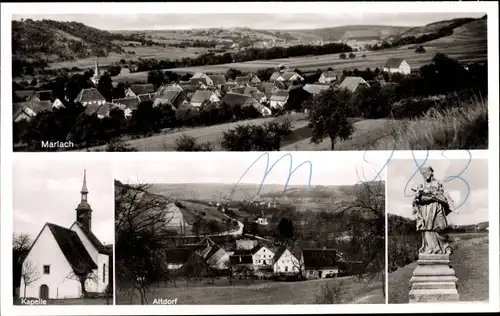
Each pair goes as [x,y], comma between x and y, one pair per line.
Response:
[427,173]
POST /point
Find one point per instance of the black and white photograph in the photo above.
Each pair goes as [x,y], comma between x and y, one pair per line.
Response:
[312,231]
[250,82]
[438,230]
[63,233]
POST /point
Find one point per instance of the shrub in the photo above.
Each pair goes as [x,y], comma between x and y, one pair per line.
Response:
[352,55]
[343,56]
[188,143]
[118,146]
[420,49]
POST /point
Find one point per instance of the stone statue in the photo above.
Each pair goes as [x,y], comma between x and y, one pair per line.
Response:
[431,205]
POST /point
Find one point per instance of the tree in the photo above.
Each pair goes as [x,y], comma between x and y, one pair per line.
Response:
[343,56]
[30,274]
[141,221]
[329,116]
[352,55]
[105,86]
[286,231]
[82,275]
[21,244]
[420,49]
[365,213]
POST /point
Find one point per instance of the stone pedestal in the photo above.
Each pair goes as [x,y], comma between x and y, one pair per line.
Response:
[433,280]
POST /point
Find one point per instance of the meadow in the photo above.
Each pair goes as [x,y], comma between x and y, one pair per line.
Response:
[470,261]
[353,291]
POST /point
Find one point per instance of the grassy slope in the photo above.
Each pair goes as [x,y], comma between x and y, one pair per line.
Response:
[353,291]
[470,262]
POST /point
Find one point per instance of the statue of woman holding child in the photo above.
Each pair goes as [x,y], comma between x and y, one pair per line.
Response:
[431,205]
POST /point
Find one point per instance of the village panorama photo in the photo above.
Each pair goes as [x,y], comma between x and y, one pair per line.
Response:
[218,234]
[63,233]
[250,82]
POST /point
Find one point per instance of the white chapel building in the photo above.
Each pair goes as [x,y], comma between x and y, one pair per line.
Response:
[61,258]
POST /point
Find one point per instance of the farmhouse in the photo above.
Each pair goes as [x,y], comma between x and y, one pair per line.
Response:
[28,110]
[262,256]
[261,221]
[242,80]
[320,263]
[397,65]
[353,83]
[137,89]
[128,103]
[202,96]
[327,77]
[235,99]
[57,104]
[285,262]
[60,256]
[288,76]
[218,80]
[174,96]
[90,96]
[215,257]
[101,110]
[200,77]
[278,99]
[315,89]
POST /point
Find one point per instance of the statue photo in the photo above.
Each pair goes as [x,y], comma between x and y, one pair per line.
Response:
[431,205]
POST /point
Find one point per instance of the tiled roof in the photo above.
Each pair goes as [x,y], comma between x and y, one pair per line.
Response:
[178,255]
[351,83]
[198,81]
[170,94]
[319,258]
[393,62]
[275,76]
[281,95]
[287,75]
[201,96]
[228,86]
[88,95]
[218,79]
[316,88]
[329,74]
[131,103]
[93,239]
[73,249]
[148,97]
[99,109]
[242,80]
[198,75]
[142,88]
[279,252]
[233,99]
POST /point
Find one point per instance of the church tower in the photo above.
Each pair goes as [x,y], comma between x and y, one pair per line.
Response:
[84,211]
[97,74]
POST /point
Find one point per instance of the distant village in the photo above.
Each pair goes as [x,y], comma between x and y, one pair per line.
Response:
[244,91]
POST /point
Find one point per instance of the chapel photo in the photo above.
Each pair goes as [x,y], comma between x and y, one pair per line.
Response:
[62,243]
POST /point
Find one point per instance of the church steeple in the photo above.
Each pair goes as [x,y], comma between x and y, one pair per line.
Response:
[84,211]
[97,72]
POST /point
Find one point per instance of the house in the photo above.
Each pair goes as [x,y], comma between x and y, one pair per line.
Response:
[254,79]
[262,109]
[320,263]
[228,86]
[235,99]
[175,258]
[278,99]
[262,256]
[316,89]
[218,80]
[90,96]
[60,255]
[201,77]
[215,257]
[201,96]
[397,65]
[175,96]
[287,76]
[327,77]
[261,221]
[131,103]
[97,74]
[57,104]
[22,111]
[284,261]
[242,80]
[353,83]
[240,261]
[137,89]
[148,97]
[102,110]
[201,83]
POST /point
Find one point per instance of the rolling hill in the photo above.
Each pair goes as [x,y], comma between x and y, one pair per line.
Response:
[353,32]
[436,27]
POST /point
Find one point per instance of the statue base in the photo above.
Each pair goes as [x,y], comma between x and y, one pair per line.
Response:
[433,280]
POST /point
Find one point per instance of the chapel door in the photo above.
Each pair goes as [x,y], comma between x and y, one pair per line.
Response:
[44,292]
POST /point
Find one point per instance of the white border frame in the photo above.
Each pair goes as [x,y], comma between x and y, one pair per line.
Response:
[70,8]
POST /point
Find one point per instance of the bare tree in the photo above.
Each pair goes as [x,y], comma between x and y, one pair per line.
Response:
[141,221]
[30,274]
[230,268]
[365,213]
[21,244]
[82,276]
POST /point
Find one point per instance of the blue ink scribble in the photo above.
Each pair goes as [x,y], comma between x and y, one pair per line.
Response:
[447,179]
[269,169]
[378,173]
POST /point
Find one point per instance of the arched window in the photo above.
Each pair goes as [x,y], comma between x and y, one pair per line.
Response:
[104,273]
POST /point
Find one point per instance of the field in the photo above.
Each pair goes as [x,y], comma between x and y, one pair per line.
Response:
[470,261]
[352,291]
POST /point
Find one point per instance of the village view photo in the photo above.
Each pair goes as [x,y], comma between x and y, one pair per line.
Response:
[250,82]
[216,233]
[63,232]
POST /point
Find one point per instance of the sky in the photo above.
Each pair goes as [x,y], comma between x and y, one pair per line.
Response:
[49,191]
[328,168]
[475,205]
[256,21]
